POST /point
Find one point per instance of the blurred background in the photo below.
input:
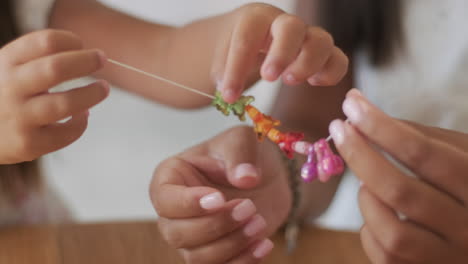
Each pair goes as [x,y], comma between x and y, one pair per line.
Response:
[106,174]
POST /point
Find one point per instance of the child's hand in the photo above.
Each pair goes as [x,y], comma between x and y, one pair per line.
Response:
[29,114]
[219,201]
[294,51]
[435,226]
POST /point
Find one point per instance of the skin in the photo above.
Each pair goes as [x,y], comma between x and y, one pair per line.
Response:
[435,227]
[231,51]
[29,114]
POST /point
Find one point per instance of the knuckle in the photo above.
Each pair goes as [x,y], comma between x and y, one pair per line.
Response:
[172,236]
[58,107]
[52,69]
[321,36]
[287,22]
[257,9]
[417,151]
[48,41]
[395,242]
[400,195]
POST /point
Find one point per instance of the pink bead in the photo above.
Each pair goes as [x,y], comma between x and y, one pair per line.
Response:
[309,172]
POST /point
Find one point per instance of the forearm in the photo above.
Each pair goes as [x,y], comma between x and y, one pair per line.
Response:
[310,110]
[180,54]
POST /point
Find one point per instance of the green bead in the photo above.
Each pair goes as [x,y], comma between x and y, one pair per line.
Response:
[238,107]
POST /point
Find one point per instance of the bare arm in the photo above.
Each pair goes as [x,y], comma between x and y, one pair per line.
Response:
[147,46]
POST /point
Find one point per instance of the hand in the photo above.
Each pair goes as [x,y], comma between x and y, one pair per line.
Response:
[294,51]
[434,228]
[219,201]
[29,114]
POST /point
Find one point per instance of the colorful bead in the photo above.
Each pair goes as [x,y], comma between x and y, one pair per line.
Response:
[262,123]
[309,169]
[238,107]
[287,140]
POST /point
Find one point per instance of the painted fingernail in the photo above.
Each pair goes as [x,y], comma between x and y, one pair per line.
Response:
[353,109]
[254,226]
[314,80]
[336,130]
[290,78]
[245,170]
[212,201]
[263,249]
[272,72]
[243,211]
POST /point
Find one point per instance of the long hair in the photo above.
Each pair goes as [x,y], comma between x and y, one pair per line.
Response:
[375,25]
[16,178]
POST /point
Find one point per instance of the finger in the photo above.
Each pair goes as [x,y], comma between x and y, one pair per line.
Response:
[288,34]
[42,74]
[374,251]
[399,238]
[50,108]
[415,199]
[334,70]
[254,254]
[239,156]
[60,135]
[194,232]
[40,44]
[316,50]
[177,192]
[246,41]
[229,246]
[436,162]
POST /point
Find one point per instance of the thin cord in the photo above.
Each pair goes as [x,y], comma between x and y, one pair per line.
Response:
[160,78]
[329,138]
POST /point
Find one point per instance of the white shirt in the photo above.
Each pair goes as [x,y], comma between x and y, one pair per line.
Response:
[427,83]
[32,14]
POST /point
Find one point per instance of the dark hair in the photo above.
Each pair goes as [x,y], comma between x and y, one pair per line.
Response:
[375,25]
[15,178]
[8,29]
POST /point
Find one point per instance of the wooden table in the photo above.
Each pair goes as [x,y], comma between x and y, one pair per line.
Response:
[140,243]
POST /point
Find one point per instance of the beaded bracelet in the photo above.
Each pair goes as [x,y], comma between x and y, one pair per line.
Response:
[292,224]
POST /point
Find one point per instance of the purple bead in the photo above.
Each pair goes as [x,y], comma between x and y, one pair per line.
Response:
[309,171]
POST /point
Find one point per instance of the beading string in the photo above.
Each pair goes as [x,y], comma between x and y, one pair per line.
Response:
[154,76]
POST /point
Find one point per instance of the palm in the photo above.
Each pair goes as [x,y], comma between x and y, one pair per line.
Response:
[272,196]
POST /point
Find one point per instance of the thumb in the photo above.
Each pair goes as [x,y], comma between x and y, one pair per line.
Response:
[238,149]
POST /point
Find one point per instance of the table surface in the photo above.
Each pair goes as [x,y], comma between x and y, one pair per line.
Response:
[140,243]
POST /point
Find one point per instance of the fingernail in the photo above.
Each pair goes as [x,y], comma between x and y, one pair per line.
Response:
[336,130]
[352,109]
[272,72]
[245,170]
[314,80]
[229,95]
[263,249]
[102,57]
[290,78]
[254,226]
[243,210]
[212,201]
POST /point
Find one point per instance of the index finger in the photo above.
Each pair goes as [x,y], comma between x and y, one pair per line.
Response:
[437,162]
[248,38]
[177,192]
